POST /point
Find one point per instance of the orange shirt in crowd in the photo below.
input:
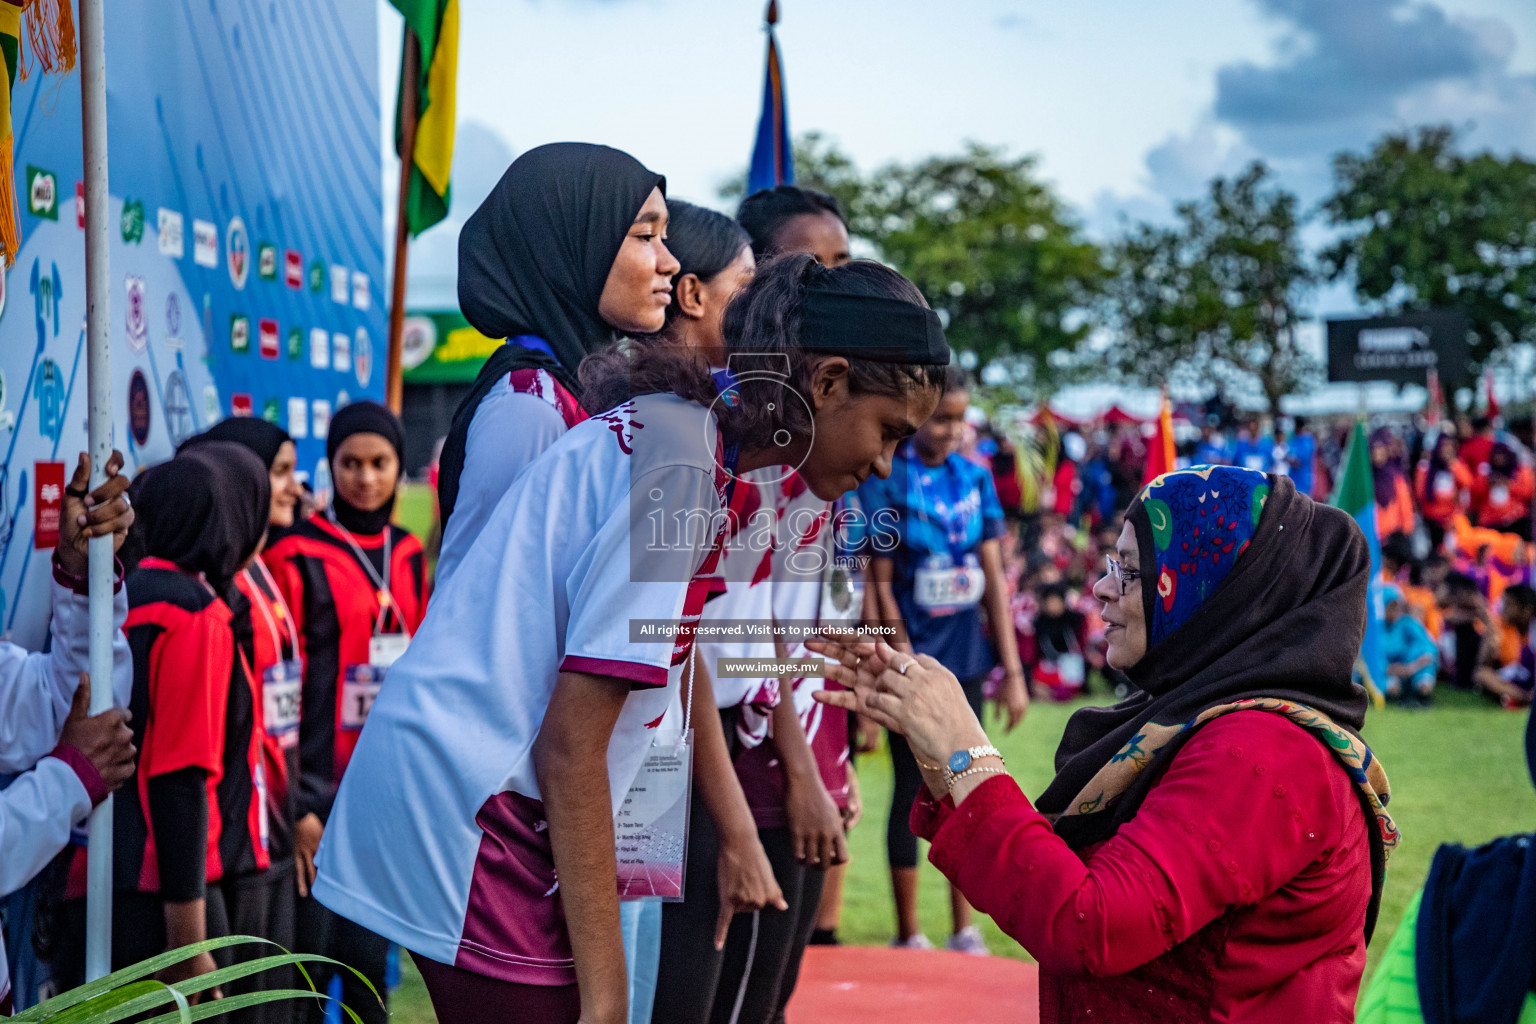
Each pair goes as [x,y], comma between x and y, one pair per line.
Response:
[1396,516]
[1446,493]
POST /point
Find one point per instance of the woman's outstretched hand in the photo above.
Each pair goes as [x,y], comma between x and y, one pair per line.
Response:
[917,697]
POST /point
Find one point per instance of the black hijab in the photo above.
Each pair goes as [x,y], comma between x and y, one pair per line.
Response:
[363,418]
[1287,622]
[264,438]
[205,510]
[533,259]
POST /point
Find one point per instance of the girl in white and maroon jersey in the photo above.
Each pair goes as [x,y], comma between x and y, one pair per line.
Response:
[476,827]
[564,256]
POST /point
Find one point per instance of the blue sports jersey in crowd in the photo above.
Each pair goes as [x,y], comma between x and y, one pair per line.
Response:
[1303,455]
[939,516]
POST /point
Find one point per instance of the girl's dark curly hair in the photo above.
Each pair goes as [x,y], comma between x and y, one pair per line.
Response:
[764,317]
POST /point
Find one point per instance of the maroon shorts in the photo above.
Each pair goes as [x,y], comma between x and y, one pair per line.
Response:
[465,997]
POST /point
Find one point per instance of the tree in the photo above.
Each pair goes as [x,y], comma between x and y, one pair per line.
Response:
[990,246]
[1216,297]
[1428,227]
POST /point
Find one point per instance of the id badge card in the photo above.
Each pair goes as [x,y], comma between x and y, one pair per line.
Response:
[359,689]
[280,701]
[259,777]
[385,649]
[650,832]
[1498,495]
[944,589]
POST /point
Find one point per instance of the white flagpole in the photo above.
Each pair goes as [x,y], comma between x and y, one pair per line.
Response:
[98,372]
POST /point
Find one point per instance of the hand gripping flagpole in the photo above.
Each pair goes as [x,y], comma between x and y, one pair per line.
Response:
[98,371]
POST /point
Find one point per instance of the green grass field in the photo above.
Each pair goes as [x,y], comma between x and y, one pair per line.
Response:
[1457,771]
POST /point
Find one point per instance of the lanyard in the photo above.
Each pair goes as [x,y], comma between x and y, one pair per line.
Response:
[270,590]
[954,527]
[386,596]
[725,384]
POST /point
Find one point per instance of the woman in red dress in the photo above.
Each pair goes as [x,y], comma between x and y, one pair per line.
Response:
[1214,847]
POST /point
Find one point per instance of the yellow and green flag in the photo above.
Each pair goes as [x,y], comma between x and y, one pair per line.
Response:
[436,24]
[50,27]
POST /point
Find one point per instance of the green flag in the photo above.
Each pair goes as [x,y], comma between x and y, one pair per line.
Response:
[436,24]
[1356,495]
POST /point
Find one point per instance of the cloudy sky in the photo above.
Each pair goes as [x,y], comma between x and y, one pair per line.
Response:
[1128,105]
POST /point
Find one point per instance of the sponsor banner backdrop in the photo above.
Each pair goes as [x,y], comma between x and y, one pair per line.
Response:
[244,148]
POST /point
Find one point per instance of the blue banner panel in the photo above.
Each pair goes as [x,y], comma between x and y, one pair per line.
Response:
[247,248]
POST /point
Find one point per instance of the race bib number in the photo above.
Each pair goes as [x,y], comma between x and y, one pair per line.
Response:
[941,591]
[385,649]
[280,701]
[650,832]
[1445,485]
[359,689]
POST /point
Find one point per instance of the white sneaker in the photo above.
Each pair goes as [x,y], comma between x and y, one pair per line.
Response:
[968,940]
[917,941]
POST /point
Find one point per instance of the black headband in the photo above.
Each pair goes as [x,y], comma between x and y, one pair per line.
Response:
[870,327]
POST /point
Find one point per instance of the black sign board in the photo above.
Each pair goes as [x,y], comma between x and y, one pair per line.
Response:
[1400,349]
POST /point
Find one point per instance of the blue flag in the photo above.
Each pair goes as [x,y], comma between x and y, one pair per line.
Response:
[773,162]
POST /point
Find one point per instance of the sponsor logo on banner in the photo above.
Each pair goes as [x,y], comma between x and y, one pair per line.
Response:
[340,281]
[271,409]
[205,243]
[322,480]
[341,353]
[42,193]
[211,407]
[138,408]
[137,315]
[343,399]
[169,231]
[271,346]
[293,268]
[176,403]
[240,404]
[295,342]
[172,314]
[418,337]
[320,348]
[298,418]
[80,204]
[239,332]
[48,390]
[132,221]
[361,297]
[362,358]
[317,277]
[266,261]
[237,249]
[320,417]
[7,418]
[48,503]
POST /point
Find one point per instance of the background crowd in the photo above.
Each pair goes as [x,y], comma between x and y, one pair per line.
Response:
[1453,506]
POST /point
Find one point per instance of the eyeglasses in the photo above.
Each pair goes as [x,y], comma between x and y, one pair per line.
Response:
[1117,571]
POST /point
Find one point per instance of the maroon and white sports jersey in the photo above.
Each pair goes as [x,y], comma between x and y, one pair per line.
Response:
[518,419]
[437,839]
[809,585]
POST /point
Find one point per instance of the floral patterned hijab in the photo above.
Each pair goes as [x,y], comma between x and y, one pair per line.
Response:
[1203,519]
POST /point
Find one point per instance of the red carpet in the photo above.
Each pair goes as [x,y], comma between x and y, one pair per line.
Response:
[851,984]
